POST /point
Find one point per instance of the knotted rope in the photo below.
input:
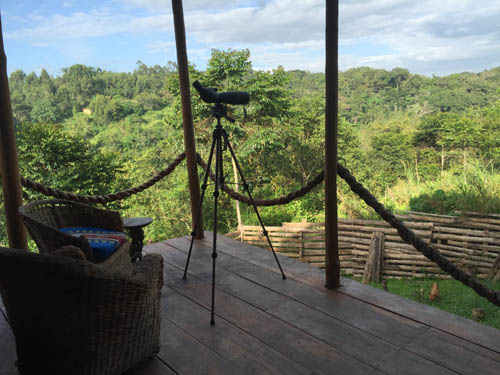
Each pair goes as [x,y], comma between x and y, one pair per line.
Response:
[102,198]
[404,232]
[411,238]
[268,202]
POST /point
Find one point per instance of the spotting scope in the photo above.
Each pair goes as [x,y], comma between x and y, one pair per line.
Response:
[210,95]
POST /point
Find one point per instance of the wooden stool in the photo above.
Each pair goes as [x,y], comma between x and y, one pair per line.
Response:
[134,227]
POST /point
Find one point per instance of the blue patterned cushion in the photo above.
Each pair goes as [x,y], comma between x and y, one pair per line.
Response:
[102,241]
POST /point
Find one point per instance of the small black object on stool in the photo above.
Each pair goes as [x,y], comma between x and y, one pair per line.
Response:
[135,226]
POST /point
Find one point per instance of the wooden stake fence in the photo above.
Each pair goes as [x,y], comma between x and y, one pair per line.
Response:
[473,245]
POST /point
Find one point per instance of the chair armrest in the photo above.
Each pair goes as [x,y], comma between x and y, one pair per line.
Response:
[61,239]
[149,271]
[70,252]
[49,239]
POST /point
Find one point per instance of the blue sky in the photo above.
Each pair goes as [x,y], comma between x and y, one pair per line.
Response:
[426,37]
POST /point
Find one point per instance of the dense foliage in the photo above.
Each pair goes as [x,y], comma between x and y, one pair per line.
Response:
[420,143]
[455,297]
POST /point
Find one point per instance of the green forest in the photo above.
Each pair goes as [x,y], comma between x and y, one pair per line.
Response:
[419,143]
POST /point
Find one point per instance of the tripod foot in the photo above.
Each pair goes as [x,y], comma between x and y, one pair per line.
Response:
[212,322]
[284,277]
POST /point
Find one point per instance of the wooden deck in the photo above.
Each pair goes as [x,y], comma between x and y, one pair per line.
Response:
[266,325]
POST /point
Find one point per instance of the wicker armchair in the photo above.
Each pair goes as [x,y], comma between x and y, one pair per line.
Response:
[70,316]
[44,219]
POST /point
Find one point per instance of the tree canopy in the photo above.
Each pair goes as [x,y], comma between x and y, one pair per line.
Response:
[405,136]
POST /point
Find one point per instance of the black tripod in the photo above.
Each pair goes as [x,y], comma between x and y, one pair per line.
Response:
[220,143]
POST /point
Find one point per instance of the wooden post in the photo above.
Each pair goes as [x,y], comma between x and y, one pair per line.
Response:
[494,273]
[332,262]
[187,115]
[238,212]
[375,258]
[302,246]
[9,165]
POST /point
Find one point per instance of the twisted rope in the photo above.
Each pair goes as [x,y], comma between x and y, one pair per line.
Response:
[267,202]
[404,232]
[27,183]
[411,238]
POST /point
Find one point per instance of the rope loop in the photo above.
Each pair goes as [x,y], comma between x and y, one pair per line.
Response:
[411,238]
[267,202]
[403,231]
[27,183]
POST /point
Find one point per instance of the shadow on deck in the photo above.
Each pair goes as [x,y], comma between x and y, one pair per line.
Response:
[266,325]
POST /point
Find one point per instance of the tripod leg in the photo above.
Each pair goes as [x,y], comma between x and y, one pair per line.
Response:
[245,186]
[203,189]
[218,181]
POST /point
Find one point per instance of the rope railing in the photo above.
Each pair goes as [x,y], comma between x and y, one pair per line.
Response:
[411,238]
[404,232]
[268,202]
[56,193]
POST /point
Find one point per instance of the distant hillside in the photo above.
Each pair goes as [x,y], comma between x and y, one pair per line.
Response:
[418,143]
[366,93]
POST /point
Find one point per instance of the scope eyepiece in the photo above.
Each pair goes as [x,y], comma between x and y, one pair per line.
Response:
[210,95]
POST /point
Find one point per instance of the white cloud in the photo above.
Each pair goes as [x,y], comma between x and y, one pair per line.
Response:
[77,25]
[161,5]
[268,59]
[276,21]
[96,23]
[161,22]
[160,46]
[426,36]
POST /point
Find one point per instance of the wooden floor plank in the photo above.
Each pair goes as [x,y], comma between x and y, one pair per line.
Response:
[153,366]
[288,340]
[333,304]
[378,322]
[390,359]
[227,340]
[474,332]
[187,355]
[457,341]
[362,343]
[433,346]
[266,325]
[202,268]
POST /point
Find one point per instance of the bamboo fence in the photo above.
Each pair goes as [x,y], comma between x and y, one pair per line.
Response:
[471,241]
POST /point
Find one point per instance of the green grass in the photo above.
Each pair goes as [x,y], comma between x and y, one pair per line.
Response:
[455,297]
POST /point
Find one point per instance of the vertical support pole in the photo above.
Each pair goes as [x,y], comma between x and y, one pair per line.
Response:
[332,263]
[302,246]
[375,258]
[9,165]
[236,189]
[187,116]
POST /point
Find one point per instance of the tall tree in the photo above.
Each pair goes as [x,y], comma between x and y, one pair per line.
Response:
[82,83]
[227,70]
